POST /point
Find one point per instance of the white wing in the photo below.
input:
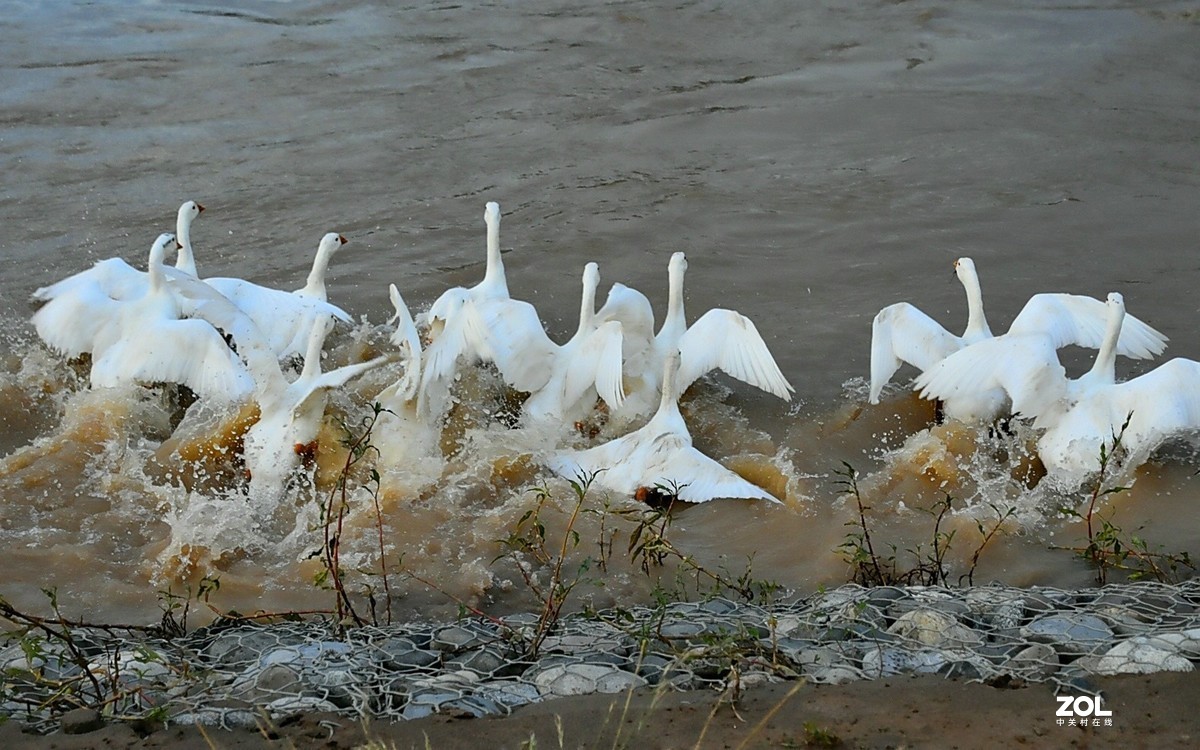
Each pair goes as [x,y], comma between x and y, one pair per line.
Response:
[190,352]
[285,318]
[509,333]
[1164,401]
[728,341]
[1026,368]
[1079,320]
[408,341]
[596,362]
[632,310]
[700,479]
[70,322]
[113,277]
[900,334]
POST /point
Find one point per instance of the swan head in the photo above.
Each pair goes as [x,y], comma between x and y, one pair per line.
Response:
[491,213]
[166,241]
[1116,300]
[964,268]
[591,275]
[678,263]
[330,243]
[190,210]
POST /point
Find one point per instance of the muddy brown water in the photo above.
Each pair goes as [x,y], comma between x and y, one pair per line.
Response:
[815,162]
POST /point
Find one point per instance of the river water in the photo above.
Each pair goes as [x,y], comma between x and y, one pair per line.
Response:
[816,161]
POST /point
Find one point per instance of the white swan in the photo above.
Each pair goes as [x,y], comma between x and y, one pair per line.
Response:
[902,333]
[1159,404]
[116,279]
[660,453]
[493,286]
[286,318]
[719,340]
[290,417]
[561,380]
[1019,372]
[146,341]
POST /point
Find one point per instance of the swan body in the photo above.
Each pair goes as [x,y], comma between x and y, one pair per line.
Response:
[1019,372]
[587,365]
[719,340]
[659,453]
[493,286]
[286,318]
[290,417]
[509,334]
[148,341]
[116,279]
[901,333]
[1094,408]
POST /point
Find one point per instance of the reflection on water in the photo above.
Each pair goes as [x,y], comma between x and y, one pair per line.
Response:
[816,164]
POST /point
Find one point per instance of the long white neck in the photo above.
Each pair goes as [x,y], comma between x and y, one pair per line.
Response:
[675,322]
[1104,369]
[587,306]
[185,261]
[158,253]
[668,404]
[315,286]
[977,326]
[316,342]
[494,275]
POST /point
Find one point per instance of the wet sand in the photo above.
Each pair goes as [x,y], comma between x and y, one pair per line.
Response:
[1147,712]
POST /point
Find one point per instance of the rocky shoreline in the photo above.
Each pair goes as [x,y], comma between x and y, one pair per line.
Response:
[235,674]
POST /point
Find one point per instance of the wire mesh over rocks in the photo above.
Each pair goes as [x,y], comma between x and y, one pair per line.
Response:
[238,673]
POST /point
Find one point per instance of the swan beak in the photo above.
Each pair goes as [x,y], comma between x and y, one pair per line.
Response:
[341,239]
[178,245]
[200,208]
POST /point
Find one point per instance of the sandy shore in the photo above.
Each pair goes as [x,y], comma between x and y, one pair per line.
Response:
[1155,711]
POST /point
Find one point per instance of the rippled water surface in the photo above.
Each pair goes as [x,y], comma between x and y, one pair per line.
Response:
[816,162]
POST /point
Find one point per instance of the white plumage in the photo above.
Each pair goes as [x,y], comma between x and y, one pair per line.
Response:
[719,340]
[290,417]
[116,279]
[1019,372]
[286,318]
[660,453]
[146,340]
[493,286]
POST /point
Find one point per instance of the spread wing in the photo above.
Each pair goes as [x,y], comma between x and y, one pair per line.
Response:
[1074,319]
[728,341]
[902,334]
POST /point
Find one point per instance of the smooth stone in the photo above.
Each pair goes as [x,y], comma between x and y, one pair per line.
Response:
[297,704]
[487,662]
[881,661]
[403,654]
[1035,662]
[510,695]
[1141,656]
[932,627]
[457,638]
[838,675]
[80,721]
[257,684]
[1069,632]
[226,718]
[583,679]
[241,646]
[719,606]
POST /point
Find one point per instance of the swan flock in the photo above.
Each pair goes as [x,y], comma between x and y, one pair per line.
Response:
[233,343]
